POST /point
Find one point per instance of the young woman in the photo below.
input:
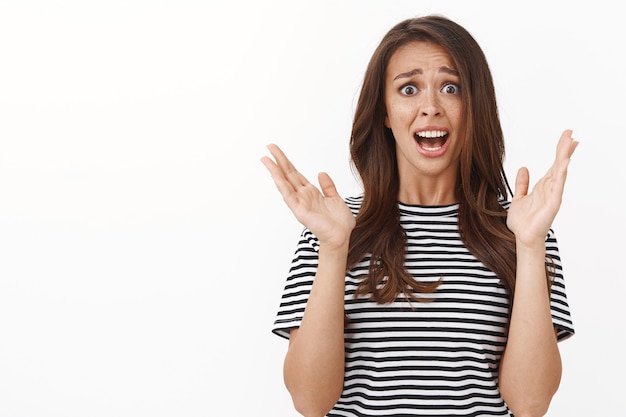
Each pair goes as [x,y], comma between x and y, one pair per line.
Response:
[433,293]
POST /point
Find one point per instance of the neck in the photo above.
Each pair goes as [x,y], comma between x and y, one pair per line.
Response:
[429,192]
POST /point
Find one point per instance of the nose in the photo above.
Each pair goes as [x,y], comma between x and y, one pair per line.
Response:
[430,105]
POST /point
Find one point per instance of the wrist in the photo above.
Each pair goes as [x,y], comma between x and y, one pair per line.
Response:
[535,245]
[530,247]
[337,249]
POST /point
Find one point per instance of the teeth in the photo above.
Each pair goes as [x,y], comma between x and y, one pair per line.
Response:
[431,134]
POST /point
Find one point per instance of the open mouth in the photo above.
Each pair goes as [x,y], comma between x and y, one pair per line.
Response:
[431,140]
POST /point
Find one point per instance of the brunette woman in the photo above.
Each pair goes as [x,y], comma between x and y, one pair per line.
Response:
[435,292]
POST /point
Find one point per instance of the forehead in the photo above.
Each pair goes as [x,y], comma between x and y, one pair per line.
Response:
[421,55]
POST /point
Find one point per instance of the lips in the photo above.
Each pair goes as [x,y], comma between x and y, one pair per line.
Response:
[431,140]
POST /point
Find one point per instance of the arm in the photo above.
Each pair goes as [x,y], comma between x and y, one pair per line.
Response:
[530,369]
[314,363]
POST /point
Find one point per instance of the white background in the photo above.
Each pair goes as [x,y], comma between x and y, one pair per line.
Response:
[143,247]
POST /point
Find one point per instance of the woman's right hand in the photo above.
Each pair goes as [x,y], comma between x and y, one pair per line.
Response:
[324,213]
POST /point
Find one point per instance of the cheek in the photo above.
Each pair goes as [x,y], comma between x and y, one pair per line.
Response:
[388,113]
[397,113]
[455,111]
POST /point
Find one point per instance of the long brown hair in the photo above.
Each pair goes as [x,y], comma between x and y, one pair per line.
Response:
[481,181]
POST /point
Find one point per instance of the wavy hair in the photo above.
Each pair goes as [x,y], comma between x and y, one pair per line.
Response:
[481,182]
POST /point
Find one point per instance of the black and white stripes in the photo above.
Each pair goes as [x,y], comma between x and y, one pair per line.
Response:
[436,358]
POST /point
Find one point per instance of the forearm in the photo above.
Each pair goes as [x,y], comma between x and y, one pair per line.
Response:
[530,370]
[314,365]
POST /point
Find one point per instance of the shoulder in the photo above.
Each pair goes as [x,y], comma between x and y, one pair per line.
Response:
[505,204]
[354,203]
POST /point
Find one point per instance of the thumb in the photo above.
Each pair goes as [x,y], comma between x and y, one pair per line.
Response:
[521,182]
[327,185]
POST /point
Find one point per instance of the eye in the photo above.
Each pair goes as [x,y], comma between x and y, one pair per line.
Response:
[451,88]
[408,90]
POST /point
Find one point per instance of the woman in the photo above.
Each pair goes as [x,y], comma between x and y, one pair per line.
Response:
[431,293]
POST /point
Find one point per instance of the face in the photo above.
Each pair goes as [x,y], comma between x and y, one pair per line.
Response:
[424,112]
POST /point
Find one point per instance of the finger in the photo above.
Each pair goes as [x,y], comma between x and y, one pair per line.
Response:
[327,185]
[521,182]
[566,146]
[284,187]
[573,147]
[289,171]
[271,166]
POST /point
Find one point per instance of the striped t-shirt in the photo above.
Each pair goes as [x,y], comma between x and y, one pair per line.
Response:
[437,358]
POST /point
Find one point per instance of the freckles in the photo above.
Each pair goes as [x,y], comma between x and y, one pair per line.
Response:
[458,110]
[399,110]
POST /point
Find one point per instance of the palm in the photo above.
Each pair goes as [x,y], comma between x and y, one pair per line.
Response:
[324,213]
[531,214]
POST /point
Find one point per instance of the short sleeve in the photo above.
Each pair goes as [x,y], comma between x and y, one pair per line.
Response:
[298,286]
[559,307]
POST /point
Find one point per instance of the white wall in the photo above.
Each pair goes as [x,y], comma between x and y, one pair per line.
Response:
[143,248]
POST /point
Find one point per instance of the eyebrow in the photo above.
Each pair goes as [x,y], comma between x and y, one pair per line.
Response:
[417,71]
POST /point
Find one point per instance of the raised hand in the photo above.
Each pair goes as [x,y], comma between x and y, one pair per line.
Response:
[324,213]
[531,215]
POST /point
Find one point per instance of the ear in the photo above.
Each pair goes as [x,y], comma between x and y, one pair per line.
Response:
[387,124]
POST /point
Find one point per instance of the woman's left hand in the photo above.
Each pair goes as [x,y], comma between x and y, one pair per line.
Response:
[531,215]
